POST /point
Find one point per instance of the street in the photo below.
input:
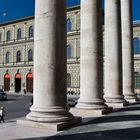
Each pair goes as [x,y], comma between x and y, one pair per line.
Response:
[16,106]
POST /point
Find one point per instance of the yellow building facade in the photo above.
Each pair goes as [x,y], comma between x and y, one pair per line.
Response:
[17,48]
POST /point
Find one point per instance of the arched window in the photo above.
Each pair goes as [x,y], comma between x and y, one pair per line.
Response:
[18,34]
[136,44]
[7,82]
[30,55]
[29,82]
[31,32]
[18,56]
[69,25]
[8,36]
[68,80]
[18,82]
[137,80]
[7,58]
[0,37]
[68,52]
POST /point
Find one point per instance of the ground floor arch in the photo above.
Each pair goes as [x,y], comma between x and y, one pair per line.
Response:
[29,82]
[17,82]
[7,82]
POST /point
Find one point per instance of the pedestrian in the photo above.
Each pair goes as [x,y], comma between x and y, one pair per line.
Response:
[32,101]
[2,114]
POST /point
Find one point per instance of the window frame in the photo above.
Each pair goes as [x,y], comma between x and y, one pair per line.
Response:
[30,55]
[69,52]
[8,36]
[68,80]
[7,57]
[18,56]
[0,37]
[69,25]
[19,34]
[137,80]
[31,32]
[136,45]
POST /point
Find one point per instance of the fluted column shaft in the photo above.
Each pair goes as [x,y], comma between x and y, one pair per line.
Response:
[49,98]
[127,50]
[91,57]
[113,53]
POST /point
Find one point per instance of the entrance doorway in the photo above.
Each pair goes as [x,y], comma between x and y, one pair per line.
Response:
[17,82]
[7,82]
[29,82]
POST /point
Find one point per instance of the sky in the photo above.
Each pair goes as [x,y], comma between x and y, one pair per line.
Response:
[15,9]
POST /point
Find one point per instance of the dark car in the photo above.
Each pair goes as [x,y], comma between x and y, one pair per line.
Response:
[71,102]
[3,95]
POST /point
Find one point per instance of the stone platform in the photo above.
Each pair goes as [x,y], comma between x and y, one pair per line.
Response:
[49,126]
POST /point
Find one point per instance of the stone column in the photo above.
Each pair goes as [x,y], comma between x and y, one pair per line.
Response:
[49,97]
[113,54]
[127,50]
[91,58]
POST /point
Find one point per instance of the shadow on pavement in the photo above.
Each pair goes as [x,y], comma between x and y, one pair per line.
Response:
[119,118]
[91,131]
[130,108]
[119,134]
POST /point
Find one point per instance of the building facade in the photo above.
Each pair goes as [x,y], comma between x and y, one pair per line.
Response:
[16,52]
[17,48]
[136,45]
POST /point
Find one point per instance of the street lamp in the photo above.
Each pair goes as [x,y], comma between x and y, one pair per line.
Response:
[4,14]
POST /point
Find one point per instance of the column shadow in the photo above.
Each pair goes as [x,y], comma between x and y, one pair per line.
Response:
[118,134]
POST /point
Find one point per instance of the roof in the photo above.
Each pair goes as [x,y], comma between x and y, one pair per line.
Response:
[17,20]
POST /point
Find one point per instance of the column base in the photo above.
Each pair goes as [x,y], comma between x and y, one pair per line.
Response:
[118,105]
[116,101]
[97,104]
[50,126]
[90,113]
[52,114]
[131,98]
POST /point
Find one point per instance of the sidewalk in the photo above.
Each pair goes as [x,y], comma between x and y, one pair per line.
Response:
[123,124]
[21,93]
[10,130]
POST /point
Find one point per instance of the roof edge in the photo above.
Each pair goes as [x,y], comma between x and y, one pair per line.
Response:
[17,20]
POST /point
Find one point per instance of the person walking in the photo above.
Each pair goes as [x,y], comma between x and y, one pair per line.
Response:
[2,114]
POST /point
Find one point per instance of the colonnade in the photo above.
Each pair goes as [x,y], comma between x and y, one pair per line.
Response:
[50,101]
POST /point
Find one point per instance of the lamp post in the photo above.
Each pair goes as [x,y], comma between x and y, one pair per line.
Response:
[4,14]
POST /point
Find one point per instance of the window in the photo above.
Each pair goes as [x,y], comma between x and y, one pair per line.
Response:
[69,25]
[8,37]
[7,58]
[137,80]
[30,55]
[0,37]
[78,21]
[18,56]
[31,32]
[68,52]
[68,80]
[136,44]
[18,34]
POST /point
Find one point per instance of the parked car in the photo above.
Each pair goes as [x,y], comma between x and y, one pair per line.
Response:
[71,102]
[3,95]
